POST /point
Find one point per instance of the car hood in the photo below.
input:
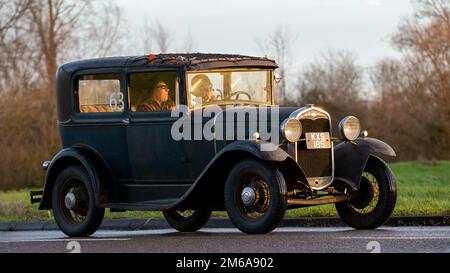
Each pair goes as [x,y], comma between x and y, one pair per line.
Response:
[243,121]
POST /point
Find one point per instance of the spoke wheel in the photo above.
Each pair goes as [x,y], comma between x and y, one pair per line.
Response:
[257,207]
[367,201]
[255,196]
[376,198]
[76,212]
[73,203]
[187,220]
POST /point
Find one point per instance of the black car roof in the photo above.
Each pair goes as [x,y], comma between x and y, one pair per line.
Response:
[193,61]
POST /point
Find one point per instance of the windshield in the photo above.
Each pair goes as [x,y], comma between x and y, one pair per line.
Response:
[229,87]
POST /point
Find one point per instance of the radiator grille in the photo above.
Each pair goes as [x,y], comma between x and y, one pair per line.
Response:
[317,162]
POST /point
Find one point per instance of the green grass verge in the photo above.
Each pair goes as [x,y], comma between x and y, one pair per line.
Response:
[423,189]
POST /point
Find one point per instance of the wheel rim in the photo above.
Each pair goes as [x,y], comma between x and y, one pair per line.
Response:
[253,196]
[369,195]
[74,203]
[185,213]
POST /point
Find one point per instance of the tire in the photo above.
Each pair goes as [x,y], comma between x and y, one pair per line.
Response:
[369,211]
[187,221]
[84,218]
[264,212]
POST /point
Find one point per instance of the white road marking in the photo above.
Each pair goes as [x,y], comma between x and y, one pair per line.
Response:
[397,237]
[66,240]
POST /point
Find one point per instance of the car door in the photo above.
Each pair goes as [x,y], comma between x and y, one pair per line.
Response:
[99,110]
[159,165]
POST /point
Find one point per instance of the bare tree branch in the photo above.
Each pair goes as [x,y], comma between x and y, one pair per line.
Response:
[277,45]
[156,37]
[10,13]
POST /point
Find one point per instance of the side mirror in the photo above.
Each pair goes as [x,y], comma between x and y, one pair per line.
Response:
[277,78]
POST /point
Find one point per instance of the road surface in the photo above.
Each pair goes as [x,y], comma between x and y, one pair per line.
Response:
[229,240]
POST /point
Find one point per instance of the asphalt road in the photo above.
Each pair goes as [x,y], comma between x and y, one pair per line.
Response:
[228,240]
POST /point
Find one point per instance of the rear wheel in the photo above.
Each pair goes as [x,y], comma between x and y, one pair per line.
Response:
[187,220]
[255,196]
[73,203]
[376,199]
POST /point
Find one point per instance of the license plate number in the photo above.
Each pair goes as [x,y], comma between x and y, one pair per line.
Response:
[318,140]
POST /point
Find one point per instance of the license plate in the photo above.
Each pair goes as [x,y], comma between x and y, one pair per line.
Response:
[318,140]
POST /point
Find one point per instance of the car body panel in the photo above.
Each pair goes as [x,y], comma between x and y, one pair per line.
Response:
[351,158]
[88,159]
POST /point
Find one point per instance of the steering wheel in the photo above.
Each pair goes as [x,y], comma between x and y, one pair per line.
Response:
[219,96]
[238,93]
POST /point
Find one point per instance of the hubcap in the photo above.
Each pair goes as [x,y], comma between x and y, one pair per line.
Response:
[248,196]
[70,200]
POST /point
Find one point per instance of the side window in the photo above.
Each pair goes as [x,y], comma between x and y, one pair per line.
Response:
[152,91]
[100,94]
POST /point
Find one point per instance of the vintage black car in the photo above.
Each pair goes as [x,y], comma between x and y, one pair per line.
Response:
[130,131]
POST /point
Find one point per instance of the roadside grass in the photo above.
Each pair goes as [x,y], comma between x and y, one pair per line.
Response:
[423,189]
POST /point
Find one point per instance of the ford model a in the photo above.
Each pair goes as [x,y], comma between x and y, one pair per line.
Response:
[160,132]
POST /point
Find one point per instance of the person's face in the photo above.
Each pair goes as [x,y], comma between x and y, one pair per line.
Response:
[207,95]
[161,93]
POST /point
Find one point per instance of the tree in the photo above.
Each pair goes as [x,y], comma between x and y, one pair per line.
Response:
[334,82]
[278,45]
[156,37]
[334,78]
[424,40]
[188,45]
[37,36]
[103,32]
[54,31]
[46,34]
[412,105]
[10,13]
[51,25]
[12,47]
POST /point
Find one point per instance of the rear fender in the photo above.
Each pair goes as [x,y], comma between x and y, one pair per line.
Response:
[72,156]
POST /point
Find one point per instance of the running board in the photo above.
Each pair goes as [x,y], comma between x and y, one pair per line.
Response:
[320,201]
[142,206]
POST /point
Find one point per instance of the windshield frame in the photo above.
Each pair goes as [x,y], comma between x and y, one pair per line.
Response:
[269,102]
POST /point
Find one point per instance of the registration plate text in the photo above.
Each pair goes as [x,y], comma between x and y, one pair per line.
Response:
[320,140]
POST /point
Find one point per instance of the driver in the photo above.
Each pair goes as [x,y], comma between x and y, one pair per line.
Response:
[201,90]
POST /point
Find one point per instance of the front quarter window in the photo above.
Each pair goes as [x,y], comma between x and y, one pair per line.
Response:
[229,87]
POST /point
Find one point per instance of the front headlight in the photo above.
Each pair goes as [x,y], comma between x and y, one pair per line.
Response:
[291,129]
[350,128]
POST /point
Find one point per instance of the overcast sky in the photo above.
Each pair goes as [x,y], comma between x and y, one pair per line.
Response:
[231,26]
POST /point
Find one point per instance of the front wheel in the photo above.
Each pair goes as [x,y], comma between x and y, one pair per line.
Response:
[187,220]
[255,196]
[375,201]
[73,203]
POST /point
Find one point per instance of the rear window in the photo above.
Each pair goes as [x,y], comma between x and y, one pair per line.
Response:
[100,94]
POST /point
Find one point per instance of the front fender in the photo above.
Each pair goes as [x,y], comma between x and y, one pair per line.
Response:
[65,157]
[208,186]
[351,158]
[256,148]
